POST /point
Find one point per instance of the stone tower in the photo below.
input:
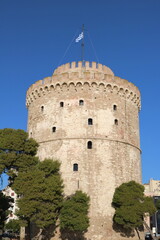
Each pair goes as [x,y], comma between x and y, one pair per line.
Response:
[87,118]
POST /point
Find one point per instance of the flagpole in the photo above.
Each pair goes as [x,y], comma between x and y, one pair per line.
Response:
[82,47]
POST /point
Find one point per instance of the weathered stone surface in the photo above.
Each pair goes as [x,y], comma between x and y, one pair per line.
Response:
[59,123]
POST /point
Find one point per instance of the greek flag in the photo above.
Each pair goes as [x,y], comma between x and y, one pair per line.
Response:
[79,37]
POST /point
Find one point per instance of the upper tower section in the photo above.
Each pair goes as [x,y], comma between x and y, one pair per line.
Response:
[86,67]
[87,75]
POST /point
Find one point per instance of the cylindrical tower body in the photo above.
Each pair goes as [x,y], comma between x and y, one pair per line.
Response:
[87,118]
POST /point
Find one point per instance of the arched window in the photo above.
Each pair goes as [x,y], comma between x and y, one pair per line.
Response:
[53,129]
[61,104]
[115,107]
[90,121]
[89,145]
[116,121]
[75,167]
[81,102]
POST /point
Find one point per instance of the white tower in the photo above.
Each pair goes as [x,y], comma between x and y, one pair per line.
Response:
[87,118]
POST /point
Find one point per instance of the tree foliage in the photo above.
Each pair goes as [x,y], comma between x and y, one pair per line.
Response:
[131,205]
[13,225]
[41,194]
[17,152]
[5,204]
[74,213]
[39,185]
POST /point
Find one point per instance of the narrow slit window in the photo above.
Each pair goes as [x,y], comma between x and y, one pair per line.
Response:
[61,104]
[116,121]
[42,108]
[75,167]
[115,107]
[53,129]
[89,145]
[81,102]
[90,121]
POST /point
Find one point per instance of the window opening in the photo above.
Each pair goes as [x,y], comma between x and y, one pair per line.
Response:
[53,129]
[114,107]
[89,145]
[61,104]
[81,102]
[75,167]
[90,121]
[42,108]
[116,121]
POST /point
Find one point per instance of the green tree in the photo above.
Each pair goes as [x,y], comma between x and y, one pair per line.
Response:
[13,225]
[17,152]
[131,205]
[74,214]
[5,204]
[41,191]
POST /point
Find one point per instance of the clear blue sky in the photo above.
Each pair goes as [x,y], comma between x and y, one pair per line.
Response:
[34,35]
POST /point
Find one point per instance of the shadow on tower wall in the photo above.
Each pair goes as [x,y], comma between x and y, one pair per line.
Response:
[126,233]
[69,235]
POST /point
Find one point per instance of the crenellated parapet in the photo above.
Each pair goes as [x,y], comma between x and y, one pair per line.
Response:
[78,77]
[86,66]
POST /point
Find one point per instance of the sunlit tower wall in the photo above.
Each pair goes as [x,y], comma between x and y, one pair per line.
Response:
[87,118]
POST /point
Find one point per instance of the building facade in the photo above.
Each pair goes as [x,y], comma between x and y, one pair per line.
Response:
[87,118]
[10,193]
[152,188]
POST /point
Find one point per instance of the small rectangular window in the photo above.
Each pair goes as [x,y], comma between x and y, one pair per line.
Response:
[116,121]
[75,167]
[89,145]
[90,121]
[53,129]
[61,104]
[115,107]
[81,102]
[42,108]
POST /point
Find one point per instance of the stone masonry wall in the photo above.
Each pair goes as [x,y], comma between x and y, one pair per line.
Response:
[81,105]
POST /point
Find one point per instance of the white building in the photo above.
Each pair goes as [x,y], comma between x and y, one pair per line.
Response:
[152,188]
[10,193]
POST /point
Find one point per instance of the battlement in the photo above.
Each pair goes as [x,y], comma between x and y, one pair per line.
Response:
[90,75]
[86,66]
